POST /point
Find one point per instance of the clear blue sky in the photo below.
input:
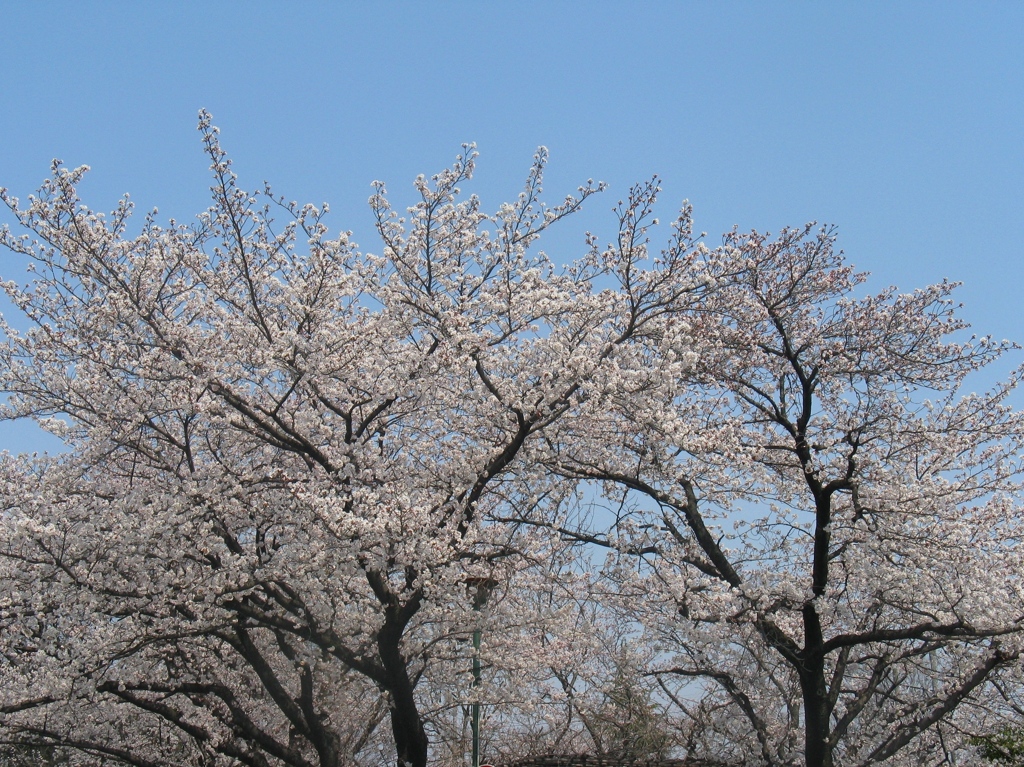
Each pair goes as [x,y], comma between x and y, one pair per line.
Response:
[902,123]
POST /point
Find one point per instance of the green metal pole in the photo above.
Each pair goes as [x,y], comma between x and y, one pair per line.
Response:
[476,703]
[482,590]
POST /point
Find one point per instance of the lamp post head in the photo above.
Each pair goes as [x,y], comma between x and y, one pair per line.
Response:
[481,587]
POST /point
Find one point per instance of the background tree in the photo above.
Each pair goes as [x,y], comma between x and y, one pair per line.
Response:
[827,526]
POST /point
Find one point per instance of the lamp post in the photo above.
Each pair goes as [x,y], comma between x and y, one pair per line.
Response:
[482,587]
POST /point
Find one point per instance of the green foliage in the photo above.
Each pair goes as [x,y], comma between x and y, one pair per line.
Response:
[28,755]
[630,725]
[1004,747]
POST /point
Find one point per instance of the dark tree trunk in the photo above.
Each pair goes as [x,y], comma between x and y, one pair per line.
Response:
[406,723]
[817,752]
[817,709]
[407,726]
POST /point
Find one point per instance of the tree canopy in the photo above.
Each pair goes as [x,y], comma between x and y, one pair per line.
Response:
[714,504]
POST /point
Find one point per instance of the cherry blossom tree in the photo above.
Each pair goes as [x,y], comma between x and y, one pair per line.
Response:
[821,528]
[295,469]
[286,458]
